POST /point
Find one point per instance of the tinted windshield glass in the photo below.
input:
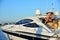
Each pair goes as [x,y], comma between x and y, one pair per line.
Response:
[24,21]
[31,25]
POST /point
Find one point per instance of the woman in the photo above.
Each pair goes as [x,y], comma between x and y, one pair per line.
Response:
[47,18]
[50,18]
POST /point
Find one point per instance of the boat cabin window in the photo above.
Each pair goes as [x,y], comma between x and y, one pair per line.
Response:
[31,25]
[24,21]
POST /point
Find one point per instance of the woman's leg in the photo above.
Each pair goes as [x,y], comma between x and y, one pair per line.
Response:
[54,26]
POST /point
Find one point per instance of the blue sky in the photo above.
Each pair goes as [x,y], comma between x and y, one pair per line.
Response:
[13,10]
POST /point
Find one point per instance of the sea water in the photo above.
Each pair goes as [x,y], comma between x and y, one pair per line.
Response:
[2,35]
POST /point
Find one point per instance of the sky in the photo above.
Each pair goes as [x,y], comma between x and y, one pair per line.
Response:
[13,10]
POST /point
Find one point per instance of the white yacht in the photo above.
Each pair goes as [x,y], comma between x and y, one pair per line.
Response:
[33,27]
[30,28]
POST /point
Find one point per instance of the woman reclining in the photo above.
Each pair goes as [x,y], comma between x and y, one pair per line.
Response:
[50,18]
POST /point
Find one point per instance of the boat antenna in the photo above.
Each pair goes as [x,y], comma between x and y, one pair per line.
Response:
[52,6]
